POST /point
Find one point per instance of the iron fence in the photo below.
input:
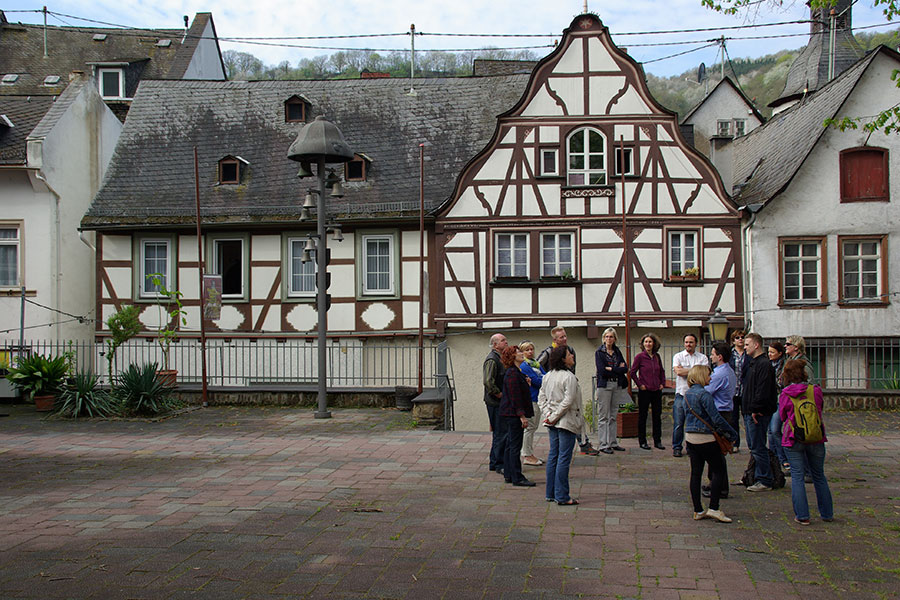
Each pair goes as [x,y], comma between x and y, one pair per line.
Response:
[351,363]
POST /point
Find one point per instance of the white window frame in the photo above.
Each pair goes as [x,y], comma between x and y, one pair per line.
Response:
[391,273]
[217,268]
[143,281]
[724,127]
[554,152]
[629,162]
[308,269]
[19,246]
[121,73]
[587,172]
[804,262]
[740,124]
[513,237]
[880,289]
[682,264]
[557,266]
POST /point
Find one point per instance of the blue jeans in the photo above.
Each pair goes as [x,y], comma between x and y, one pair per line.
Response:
[562,444]
[775,438]
[498,438]
[809,458]
[678,423]
[756,441]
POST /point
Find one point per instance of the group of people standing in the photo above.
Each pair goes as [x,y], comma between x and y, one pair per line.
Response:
[711,395]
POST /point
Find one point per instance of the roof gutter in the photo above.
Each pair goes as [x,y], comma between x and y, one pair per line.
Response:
[746,248]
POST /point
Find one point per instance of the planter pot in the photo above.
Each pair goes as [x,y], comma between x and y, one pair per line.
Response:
[684,277]
[167,377]
[44,403]
[627,424]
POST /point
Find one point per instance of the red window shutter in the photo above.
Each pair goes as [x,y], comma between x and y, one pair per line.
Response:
[864,174]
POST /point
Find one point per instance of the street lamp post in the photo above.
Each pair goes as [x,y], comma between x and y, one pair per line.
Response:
[320,142]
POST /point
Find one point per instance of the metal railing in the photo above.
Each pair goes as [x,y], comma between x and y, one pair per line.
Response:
[352,363]
[838,364]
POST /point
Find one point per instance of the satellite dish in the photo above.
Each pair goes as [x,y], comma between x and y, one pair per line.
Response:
[701,73]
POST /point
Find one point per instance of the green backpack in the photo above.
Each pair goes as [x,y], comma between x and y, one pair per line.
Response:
[807,425]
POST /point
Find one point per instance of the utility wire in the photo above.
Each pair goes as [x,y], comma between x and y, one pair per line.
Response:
[80,318]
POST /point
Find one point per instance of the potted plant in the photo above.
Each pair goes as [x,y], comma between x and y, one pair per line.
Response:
[627,420]
[170,318]
[123,325]
[39,378]
[692,273]
[6,387]
[140,391]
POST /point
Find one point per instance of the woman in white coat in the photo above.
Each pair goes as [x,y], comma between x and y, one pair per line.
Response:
[560,403]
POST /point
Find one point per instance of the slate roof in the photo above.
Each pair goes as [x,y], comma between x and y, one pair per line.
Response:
[72,48]
[25,113]
[766,159]
[150,180]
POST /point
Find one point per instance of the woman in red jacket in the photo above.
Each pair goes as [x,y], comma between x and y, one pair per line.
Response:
[650,377]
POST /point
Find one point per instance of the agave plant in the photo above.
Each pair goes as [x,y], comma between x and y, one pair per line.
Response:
[82,398]
[141,392]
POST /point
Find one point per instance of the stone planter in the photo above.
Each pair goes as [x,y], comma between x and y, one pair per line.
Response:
[44,403]
[627,424]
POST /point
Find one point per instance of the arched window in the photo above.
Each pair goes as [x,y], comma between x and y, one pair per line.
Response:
[586,151]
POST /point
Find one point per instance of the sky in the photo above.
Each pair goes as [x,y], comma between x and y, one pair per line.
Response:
[273,18]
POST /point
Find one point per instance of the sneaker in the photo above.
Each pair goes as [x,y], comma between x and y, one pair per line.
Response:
[802,521]
[590,450]
[718,515]
[676,453]
[759,487]
[700,515]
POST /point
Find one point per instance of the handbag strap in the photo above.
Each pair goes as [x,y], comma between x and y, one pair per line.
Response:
[710,427]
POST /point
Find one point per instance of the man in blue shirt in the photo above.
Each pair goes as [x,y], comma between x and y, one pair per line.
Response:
[722,383]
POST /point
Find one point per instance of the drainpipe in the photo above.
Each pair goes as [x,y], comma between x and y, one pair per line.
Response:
[746,248]
[56,254]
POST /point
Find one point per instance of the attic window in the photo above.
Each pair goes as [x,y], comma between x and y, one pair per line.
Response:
[112,83]
[295,110]
[230,169]
[163,43]
[99,37]
[51,80]
[356,169]
[10,78]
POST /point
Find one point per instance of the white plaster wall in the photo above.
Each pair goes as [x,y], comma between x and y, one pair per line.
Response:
[723,103]
[811,206]
[72,157]
[206,62]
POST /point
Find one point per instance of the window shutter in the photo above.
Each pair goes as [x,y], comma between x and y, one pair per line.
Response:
[864,175]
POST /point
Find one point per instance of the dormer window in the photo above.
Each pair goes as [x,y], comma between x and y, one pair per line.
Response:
[112,83]
[296,110]
[10,78]
[230,170]
[357,169]
[51,80]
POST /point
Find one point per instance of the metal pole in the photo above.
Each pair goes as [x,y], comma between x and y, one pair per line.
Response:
[45,32]
[321,251]
[421,262]
[201,267]
[625,262]
[22,327]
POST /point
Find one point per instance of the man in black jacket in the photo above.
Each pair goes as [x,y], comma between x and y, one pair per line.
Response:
[492,378]
[758,403]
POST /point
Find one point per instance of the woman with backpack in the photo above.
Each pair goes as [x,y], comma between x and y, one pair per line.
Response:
[803,438]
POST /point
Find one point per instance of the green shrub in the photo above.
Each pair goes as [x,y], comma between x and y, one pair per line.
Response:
[628,407]
[141,393]
[38,375]
[83,398]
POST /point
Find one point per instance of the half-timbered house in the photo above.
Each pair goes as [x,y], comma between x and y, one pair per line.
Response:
[534,234]
[524,228]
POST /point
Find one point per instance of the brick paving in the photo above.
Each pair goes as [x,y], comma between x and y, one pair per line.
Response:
[264,503]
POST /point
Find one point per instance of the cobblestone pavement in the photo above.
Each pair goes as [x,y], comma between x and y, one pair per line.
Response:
[271,503]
